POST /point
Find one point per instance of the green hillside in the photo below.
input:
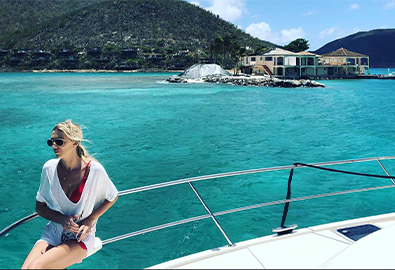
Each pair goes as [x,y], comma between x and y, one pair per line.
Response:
[377,44]
[23,17]
[158,29]
[95,23]
[157,34]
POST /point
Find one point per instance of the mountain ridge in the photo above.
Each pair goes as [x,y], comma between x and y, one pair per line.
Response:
[377,44]
[164,27]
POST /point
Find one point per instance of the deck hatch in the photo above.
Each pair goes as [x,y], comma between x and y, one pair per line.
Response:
[357,232]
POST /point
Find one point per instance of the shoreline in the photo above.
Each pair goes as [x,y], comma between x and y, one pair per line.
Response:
[89,71]
[320,78]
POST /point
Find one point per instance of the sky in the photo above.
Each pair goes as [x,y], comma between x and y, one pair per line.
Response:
[317,21]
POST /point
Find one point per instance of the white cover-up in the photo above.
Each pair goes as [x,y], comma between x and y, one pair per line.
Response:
[98,187]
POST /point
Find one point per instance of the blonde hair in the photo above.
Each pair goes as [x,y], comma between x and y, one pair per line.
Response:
[74,132]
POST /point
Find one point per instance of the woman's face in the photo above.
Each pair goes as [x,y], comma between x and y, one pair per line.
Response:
[68,147]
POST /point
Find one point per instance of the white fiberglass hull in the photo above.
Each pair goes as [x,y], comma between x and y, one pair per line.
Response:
[314,247]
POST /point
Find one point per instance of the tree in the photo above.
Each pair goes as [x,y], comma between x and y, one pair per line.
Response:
[298,45]
[260,50]
[216,47]
[227,48]
[226,51]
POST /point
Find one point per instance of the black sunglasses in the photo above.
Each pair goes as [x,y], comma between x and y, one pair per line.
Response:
[57,141]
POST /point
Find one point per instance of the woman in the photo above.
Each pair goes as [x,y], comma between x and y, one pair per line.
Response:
[74,192]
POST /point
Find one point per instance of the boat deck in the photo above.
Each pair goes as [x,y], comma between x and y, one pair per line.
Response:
[353,244]
[314,247]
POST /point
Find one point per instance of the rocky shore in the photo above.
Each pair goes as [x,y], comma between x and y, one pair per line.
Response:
[250,81]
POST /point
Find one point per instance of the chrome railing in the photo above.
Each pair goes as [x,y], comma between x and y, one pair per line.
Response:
[212,215]
[236,173]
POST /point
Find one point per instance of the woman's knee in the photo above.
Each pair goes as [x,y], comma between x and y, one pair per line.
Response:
[36,264]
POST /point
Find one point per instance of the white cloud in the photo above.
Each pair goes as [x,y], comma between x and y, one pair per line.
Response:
[196,3]
[310,13]
[336,33]
[354,6]
[288,35]
[327,32]
[384,27]
[263,31]
[229,10]
[390,4]
[356,29]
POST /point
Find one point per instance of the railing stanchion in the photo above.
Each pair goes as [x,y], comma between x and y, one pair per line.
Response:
[211,214]
[386,172]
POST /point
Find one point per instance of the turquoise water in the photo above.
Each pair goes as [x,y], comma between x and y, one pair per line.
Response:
[385,71]
[145,131]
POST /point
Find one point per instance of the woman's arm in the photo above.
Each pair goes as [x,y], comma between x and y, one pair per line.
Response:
[86,224]
[47,213]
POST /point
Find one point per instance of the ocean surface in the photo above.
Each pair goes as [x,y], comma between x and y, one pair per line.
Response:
[146,131]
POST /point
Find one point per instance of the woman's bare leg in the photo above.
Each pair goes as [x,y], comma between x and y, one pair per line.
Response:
[61,256]
[39,249]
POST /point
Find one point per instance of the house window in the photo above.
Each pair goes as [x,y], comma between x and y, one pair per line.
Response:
[280,61]
[253,59]
[268,58]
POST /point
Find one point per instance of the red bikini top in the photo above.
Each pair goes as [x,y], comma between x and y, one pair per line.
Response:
[76,195]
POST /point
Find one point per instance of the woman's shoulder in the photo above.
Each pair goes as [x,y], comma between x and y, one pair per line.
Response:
[52,163]
[97,166]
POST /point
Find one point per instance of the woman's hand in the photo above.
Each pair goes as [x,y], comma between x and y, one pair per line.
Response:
[84,229]
[70,225]
[86,224]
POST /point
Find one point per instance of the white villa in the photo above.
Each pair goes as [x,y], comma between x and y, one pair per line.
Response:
[282,63]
